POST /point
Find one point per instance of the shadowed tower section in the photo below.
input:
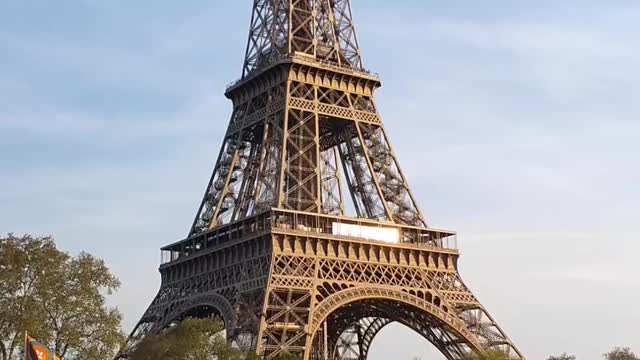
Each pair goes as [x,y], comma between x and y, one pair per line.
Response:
[273,250]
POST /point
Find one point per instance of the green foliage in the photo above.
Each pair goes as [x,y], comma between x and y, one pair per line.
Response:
[58,298]
[564,356]
[191,339]
[620,354]
[286,357]
[489,355]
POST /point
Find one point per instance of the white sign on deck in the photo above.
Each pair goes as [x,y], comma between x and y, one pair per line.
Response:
[388,235]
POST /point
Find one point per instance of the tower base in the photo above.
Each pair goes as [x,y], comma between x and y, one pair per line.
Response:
[322,287]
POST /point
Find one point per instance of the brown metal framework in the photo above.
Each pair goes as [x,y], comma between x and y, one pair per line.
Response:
[272,250]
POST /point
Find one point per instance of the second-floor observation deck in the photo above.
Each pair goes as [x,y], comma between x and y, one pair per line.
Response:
[296,223]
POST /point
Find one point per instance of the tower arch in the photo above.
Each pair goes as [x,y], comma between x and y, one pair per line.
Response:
[200,306]
[363,312]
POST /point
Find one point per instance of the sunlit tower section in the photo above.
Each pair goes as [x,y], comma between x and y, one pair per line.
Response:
[273,250]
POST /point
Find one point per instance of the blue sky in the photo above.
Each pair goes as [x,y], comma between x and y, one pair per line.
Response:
[516,123]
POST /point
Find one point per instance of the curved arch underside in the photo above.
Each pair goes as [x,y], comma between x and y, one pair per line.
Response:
[199,306]
[202,305]
[352,327]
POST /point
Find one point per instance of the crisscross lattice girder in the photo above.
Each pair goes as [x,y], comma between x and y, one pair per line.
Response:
[320,29]
[299,130]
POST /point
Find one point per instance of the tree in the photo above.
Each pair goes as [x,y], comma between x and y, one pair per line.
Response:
[194,339]
[488,355]
[58,298]
[191,339]
[286,357]
[620,354]
[564,356]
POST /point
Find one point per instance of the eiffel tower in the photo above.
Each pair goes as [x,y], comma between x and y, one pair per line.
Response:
[273,250]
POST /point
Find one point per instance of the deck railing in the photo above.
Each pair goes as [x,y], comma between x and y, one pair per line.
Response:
[317,225]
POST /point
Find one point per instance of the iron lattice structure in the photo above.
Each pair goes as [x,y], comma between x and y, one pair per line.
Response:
[272,250]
